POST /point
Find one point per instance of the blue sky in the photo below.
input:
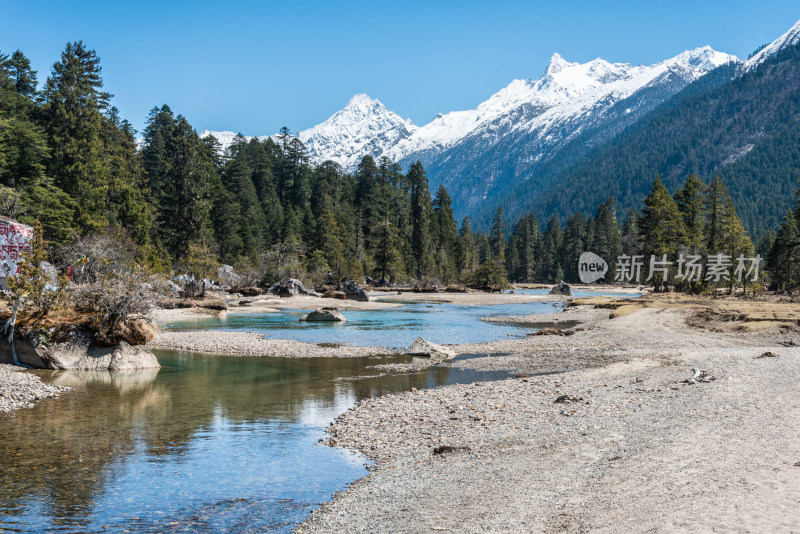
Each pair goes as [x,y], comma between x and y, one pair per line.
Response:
[253,67]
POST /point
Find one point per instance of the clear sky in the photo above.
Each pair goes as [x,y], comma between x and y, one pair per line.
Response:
[253,67]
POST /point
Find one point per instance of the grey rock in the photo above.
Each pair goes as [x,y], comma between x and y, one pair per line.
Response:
[49,270]
[423,347]
[228,277]
[562,288]
[78,353]
[324,315]
[292,287]
[174,288]
[354,292]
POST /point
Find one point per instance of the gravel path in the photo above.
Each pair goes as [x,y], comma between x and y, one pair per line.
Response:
[625,446]
[252,344]
[21,389]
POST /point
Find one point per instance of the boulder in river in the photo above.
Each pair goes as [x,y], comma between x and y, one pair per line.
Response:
[292,287]
[324,315]
[354,292]
[422,347]
[77,353]
[562,288]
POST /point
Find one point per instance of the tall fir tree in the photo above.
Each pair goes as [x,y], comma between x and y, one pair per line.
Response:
[74,101]
[421,215]
[497,238]
[445,235]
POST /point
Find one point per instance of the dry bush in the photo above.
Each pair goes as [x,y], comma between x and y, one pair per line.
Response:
[95,257]
[119,305]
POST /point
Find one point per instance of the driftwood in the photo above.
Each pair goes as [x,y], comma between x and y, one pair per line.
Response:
[699,376]
[766,355]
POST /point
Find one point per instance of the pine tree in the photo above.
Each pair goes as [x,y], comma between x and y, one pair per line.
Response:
[421,214]
[783,261]
[662,226]
[630,234]
[524,250]
[723,229]
[445,235]
[72,116]
[690,200]
[189,182]
[551,245]
[19,72]
[606,240]
[327,239]
[497,238]
[23,143]
[251,222]
[127,205]
[572,246]
[466,251]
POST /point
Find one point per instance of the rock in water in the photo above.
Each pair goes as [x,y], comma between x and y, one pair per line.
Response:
[562,288]
[291,287]
[324,315]
[354,292]
[422,347]
[79,352]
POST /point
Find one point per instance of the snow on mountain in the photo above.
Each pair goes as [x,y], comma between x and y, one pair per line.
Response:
[363,126]
[790,38]
[565,90]
[226,137]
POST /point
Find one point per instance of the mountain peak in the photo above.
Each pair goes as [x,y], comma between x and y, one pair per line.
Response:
[790,38]
[557,64]
[704,58]
[362,99]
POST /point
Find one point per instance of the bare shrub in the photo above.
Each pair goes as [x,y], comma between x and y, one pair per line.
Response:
[119,305]
[92,258]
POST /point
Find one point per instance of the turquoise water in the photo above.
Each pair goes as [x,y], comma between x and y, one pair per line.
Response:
[217,444]
[205,444]
[392,327]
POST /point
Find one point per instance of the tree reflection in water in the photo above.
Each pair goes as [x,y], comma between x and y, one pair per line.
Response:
[204,443]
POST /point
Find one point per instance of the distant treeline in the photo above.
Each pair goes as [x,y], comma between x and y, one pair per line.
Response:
[69,161]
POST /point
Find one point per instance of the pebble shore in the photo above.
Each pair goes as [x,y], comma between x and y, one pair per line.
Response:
[626,445]
[254,344]
[20,389]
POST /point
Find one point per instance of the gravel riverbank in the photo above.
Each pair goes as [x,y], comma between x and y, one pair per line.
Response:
[235,343]
[626,444]
[21,389]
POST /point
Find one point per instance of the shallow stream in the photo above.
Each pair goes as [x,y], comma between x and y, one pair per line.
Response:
[212,443]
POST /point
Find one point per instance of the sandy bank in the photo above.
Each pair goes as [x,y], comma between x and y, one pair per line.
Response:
[632,446]
[234,343]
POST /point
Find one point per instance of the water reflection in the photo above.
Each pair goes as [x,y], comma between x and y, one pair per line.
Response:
[203,444]
[393,327]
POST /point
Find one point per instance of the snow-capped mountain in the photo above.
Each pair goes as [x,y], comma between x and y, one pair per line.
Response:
[790,38]
[363,126]
[366,126]
[565,90]
[521,132]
